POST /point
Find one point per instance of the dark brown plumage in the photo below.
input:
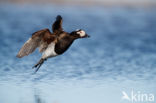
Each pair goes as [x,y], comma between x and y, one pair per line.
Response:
[50,44]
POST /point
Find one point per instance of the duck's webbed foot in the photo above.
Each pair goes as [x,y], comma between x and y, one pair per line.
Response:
[38,65]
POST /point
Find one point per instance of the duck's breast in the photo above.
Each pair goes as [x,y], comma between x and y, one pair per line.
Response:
[63,44]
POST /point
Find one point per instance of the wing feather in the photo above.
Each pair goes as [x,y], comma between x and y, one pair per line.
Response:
[57,26]
[39,39]
[27,48]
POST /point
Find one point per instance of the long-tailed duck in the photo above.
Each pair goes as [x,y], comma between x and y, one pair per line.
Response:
[50,44]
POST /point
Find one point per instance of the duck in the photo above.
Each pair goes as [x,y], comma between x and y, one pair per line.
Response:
[50,44]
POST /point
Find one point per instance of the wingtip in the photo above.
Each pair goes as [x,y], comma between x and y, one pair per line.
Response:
[58,17]
[18,56]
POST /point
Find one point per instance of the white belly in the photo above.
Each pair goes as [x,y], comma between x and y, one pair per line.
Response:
[49,52]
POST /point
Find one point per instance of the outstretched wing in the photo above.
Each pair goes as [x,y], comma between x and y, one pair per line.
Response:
[39,39]
[57,26]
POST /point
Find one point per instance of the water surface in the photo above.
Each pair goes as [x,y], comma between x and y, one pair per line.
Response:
[119,56]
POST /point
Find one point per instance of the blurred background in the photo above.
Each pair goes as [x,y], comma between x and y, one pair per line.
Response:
[87,2]
[119,56]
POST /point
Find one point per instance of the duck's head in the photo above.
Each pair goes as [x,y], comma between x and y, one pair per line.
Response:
[79,33]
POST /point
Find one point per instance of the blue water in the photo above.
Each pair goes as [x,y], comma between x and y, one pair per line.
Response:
[119,56]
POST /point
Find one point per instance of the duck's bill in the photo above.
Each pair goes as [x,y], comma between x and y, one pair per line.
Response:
[87,36]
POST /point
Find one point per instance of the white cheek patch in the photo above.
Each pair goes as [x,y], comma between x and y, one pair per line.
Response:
[82,33]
